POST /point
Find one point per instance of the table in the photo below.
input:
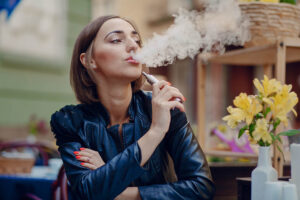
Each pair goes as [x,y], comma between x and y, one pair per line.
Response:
[38,183]
[226,176]
[17,187]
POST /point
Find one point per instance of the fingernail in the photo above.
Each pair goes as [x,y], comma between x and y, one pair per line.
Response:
[82,148]
[77,157]
[169,83]
[184,99]
[82,163]
[76,152]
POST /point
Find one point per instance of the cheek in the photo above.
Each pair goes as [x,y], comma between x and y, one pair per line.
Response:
[106,56]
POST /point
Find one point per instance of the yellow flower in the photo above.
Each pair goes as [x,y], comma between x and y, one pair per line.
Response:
[267,87]
[261,131]
[236,116]
[246,108]
[249,105]
[282,103]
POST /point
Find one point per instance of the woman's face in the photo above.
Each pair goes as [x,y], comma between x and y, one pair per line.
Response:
[111,51]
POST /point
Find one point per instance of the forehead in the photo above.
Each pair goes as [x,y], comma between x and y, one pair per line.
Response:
[115,24]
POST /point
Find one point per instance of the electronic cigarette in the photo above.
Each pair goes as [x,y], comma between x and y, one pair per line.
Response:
[151,79]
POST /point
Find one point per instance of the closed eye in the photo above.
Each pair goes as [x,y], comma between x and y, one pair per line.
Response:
[116,41]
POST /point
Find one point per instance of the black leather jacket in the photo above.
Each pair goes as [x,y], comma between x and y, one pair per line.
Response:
[84,125]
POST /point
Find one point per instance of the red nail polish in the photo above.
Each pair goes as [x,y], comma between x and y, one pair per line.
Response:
[76,152]
[169,83]
[77,157]
[82,163]
[184,99]
[82,148]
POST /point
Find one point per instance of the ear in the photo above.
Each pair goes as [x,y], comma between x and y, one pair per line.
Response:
[83,59]
[93,64]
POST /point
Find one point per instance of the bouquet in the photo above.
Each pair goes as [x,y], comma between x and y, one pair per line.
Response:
[259,115]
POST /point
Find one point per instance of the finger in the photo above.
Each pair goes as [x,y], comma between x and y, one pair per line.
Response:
[95,153]
[83,153]
[88,165]
[84,159]
[168,88]
[170,93]
[176,104]
[88,150]
[158,86]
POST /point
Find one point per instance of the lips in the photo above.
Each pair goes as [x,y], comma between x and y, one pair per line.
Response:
[131,60]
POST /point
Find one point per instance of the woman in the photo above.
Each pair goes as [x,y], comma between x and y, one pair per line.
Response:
[121,142]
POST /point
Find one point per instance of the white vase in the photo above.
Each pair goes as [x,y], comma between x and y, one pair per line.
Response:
[295,166]
[262,173]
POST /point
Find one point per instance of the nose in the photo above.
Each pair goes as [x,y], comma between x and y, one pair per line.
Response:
[131,45]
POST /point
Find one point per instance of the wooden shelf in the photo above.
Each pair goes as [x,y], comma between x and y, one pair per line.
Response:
[260,55]
[230,154]
[281,52]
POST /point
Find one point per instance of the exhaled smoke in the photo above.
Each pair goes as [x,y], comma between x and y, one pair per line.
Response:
[192,32]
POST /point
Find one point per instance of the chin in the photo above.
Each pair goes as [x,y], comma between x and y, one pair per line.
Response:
[133,74]
[134,77]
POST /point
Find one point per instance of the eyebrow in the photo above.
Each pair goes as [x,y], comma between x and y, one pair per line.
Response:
[120,32]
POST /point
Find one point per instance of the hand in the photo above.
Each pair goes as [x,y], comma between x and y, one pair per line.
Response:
[90,158]
[162,102]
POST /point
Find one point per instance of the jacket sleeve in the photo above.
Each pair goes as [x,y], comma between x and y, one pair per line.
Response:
[104,182]
[193,174]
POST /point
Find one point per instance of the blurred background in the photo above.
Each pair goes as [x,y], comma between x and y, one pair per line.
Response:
[36,43]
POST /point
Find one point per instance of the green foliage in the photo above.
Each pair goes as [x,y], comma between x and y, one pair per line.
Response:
[242,130]
[294,2]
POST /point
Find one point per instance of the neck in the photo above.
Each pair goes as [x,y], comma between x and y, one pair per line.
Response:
[116,99]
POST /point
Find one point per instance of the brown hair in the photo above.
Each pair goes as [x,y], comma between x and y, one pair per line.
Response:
[84,87]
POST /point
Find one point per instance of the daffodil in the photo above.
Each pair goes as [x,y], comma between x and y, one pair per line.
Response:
[262,112]
[249,105]
[261,131]
[236,116]
[282,103]
[267,87]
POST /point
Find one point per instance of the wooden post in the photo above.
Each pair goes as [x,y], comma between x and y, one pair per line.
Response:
[268,71]
[201,102]
[280,76]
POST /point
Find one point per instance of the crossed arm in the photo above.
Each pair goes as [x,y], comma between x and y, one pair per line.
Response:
[92,160]
[194,180]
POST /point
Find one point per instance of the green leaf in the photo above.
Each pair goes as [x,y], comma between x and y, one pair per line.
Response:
[242,130]
[276,123]
[290,132]
[278,138]
[273,136]
[259,116]
[251,128]
[261,143]
[267,111]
